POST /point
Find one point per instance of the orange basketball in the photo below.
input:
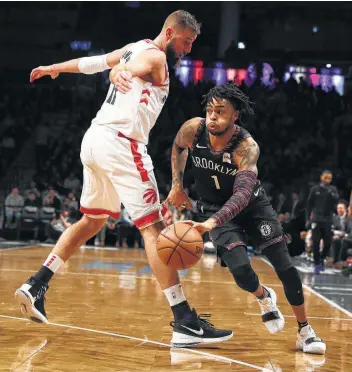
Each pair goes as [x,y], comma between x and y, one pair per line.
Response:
[180,246]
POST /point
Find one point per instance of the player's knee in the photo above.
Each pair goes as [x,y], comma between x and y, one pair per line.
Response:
[245,277]
[292,285]
[93,224]
[151,232]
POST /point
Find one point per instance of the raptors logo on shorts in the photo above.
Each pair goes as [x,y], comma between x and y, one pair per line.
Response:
[150,196]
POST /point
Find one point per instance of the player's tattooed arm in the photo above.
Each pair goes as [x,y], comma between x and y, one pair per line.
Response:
[246,155]
[183,141]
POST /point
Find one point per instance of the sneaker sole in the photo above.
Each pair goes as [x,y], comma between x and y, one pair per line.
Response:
[28,309]
[181,340]
[314,348]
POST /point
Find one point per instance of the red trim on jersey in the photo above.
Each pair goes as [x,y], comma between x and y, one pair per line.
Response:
[146,91]
[144,100]
[164,209]
[137,157]
[147,41]
[146,220]
[97,212]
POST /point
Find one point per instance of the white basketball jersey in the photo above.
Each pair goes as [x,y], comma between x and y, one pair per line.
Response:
[134,114]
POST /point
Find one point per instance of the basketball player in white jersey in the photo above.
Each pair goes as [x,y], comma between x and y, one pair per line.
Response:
[117,168]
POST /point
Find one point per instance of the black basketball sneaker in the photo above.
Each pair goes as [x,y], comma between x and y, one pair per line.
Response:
[196,330]
[30,296]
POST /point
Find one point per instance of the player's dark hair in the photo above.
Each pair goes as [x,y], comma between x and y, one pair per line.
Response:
[233,94]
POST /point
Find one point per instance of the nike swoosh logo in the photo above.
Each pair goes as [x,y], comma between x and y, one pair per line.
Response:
[256,193]
[200,332]
[200,147]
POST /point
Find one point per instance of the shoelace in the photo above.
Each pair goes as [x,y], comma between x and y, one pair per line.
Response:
[201,318]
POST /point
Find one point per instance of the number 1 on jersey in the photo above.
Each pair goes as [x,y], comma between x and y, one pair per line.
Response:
[217,184]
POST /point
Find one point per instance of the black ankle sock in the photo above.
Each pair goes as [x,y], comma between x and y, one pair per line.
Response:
[264,295]
[181,310]
[301,325]
[44,274]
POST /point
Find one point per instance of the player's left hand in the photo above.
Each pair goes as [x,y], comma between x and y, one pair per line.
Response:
[204,226]
[122,80]
[41,71]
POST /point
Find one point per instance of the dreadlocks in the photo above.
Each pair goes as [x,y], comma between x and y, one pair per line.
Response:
[231,93]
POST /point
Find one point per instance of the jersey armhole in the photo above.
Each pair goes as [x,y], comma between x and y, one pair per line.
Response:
[198,133]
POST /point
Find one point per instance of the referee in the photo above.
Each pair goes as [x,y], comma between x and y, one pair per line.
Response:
[321,205]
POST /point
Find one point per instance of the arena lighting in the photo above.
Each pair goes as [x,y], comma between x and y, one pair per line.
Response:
[185,62]
[219,65]
[328,65]
[241,45]
[80,45]
[198,63]
[315,29]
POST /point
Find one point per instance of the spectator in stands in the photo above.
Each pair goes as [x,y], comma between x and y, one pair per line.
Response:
[72,182]
[13,208]
[58,225]
[51,199]
[74,202]
[32,200]
[128,234]
[109,226]
[339,226]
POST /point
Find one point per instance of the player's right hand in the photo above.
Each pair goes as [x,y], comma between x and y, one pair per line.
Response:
[41,71]
[178,198]
[123,81]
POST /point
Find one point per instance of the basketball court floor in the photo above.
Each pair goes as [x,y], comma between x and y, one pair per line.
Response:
[108,313]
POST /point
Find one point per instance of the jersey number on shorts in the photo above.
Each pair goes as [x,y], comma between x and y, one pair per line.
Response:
[217,184]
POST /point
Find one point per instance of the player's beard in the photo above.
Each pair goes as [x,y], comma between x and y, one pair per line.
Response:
[218,133]
[171,56]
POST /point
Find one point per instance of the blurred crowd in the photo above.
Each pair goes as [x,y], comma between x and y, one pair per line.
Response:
[300,130]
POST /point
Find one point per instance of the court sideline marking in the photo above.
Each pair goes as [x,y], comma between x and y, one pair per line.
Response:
[143,340]
[310,289]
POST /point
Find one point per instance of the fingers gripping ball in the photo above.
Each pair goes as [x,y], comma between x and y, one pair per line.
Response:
[180,246]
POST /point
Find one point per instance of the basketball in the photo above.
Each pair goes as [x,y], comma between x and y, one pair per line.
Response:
[180,246]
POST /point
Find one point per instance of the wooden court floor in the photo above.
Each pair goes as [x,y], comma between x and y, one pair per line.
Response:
[107,313]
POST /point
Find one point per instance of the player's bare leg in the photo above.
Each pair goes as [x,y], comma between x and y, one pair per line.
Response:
[30,295]
[189,328]
[166,275]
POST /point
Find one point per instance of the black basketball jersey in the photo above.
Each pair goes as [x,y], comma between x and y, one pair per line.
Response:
[215,171]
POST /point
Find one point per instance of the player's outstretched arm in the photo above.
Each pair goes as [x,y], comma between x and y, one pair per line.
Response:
[85,65]
[183,141]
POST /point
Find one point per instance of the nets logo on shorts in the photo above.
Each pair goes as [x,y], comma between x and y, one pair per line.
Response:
[266,230]
[150,196]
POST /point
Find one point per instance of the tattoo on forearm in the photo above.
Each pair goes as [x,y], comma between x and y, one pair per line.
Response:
[178,163]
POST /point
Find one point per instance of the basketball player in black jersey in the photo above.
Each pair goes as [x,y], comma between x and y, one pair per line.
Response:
[233,205]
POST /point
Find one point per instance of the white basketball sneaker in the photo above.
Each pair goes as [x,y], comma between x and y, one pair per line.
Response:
[271,315]
[308,342]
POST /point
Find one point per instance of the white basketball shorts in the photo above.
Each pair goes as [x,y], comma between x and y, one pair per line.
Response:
[118,170]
